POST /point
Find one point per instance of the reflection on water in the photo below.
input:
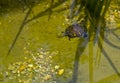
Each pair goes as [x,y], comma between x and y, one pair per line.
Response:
[37,55]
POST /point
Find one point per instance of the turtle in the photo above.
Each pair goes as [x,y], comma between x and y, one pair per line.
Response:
[75,30]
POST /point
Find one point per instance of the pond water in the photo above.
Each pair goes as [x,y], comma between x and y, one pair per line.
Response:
[40,56]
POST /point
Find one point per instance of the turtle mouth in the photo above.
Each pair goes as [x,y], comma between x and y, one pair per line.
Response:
[61,35]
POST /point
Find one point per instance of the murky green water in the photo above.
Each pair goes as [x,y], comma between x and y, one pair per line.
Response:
[39,33]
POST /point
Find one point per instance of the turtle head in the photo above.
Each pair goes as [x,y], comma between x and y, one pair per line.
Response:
[62,34]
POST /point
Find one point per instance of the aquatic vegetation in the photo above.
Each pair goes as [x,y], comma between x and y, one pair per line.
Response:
[94,15]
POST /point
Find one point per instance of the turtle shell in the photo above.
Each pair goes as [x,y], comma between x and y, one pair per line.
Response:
[75,30]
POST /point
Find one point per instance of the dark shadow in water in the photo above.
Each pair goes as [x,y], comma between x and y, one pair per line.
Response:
[110,61]
[25,21]
[115,34]
[20,30]
[46,12]
[50,11]
[111,44]
[106,55]
[79,51]
[43,14]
